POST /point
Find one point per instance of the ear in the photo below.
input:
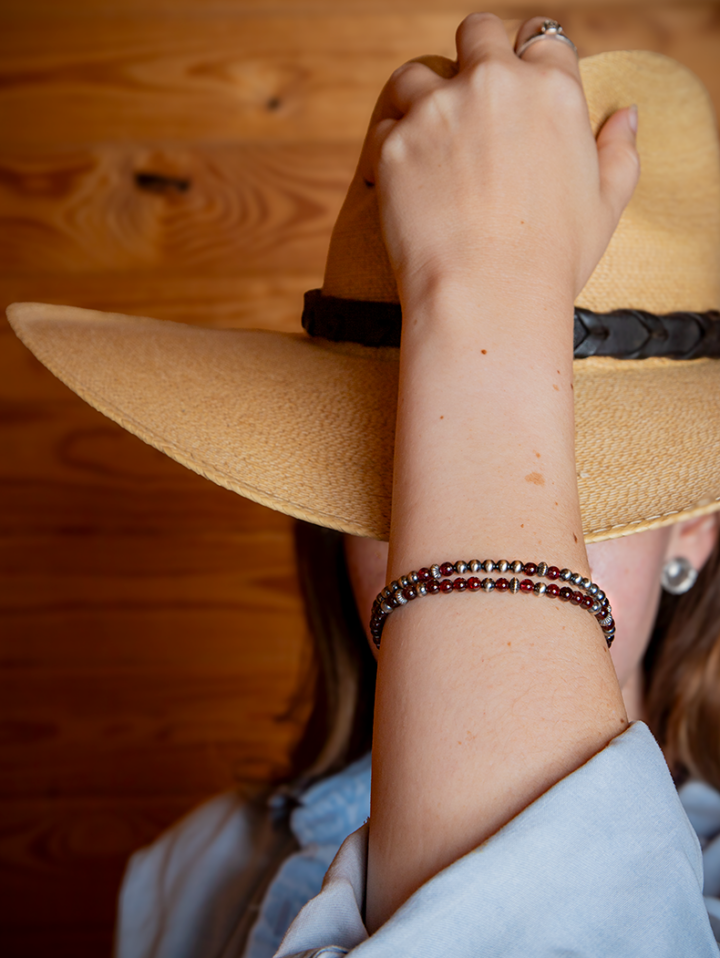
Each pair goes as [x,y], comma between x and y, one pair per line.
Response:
[693,539]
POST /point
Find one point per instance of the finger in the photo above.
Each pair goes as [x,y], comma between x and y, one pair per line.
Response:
[618,160]
[479,37]
[550,50]
[408,84]
[376,136]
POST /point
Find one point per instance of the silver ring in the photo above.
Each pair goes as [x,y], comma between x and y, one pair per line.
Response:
[549,30]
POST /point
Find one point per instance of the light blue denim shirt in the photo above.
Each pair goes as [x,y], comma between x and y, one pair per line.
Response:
[606,863]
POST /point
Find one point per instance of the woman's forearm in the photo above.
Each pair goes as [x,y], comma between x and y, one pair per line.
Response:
[484,701]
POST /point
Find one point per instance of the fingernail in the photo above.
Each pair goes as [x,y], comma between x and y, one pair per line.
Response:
[633,118]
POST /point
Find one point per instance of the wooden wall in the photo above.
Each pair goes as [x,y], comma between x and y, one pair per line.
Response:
[183,160]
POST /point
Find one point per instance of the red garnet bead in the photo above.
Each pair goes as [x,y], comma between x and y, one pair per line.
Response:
[526,585]
[447,568]
[529,569]
[433,586]
[553,590]
[474,583]
[410,593]
[460,585]
[446,586]
[588,602]
[553,572]
[424,575]
[577,598]
[502,585]
[566,594]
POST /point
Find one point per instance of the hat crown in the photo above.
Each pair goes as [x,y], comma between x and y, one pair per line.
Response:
[664,253]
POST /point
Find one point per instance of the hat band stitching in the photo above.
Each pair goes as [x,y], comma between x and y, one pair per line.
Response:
[620,334]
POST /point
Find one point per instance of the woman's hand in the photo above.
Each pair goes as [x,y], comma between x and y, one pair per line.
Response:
[497,168]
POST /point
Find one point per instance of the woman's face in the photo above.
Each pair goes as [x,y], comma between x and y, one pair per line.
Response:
[627,569]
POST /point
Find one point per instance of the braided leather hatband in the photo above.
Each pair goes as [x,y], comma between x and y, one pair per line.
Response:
[622,333]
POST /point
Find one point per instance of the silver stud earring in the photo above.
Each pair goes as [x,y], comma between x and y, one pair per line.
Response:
[678,575]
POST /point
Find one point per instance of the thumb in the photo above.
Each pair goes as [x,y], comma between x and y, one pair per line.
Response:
[619,161]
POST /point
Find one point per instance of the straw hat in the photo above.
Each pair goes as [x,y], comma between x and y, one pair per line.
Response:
[305,426]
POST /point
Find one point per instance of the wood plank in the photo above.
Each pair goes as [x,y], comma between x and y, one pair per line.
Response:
[261,78]
[61,861]
[43,840]
[204,9]
[257,301]
[248,208]
[302,79]
[78,733]
[234,576]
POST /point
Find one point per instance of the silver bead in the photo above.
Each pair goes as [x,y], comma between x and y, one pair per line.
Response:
[595,607]
[517,566]
[577,578]
[387,609]
[600,596]
[586,583]
[488,565]
[387,592]
[413,577]
[566,575]
[475,565]
[399,597]
[514,584]
[502,565]
[542,568]
[540,588]
[435,571]
[460,567]
[488,584]
[421,588]
[404,581]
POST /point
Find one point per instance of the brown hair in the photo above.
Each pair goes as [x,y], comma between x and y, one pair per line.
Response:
[339,729]
[682,678]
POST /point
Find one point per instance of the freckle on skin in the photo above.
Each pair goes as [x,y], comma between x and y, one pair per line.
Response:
[574,537]
[538,455]
[442,417]
[556,388]
[484,352]
[535,478]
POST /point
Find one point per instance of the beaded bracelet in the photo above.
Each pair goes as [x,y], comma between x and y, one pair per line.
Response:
[436,580]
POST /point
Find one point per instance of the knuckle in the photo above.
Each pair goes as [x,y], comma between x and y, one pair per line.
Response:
[400,72]
[474,20]
[392,149]
[563,89]
[493,76]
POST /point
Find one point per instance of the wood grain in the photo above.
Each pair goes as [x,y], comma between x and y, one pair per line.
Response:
[255,301]
[246,208]
[201,9]
[300,78]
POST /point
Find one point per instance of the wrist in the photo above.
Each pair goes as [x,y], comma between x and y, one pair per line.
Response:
[458,297]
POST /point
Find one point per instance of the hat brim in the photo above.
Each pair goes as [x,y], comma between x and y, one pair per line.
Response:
[307,427]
